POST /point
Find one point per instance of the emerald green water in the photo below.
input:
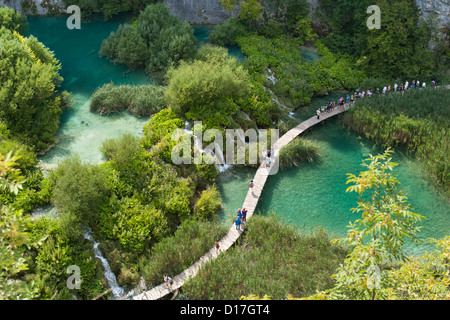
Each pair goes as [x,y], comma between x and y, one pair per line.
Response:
[82,131]
[313,194]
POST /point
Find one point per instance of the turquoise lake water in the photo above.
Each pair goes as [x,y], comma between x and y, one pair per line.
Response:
[308,196]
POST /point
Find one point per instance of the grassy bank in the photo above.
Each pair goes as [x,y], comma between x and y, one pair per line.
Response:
[270,258]
[417,120]
[141,100]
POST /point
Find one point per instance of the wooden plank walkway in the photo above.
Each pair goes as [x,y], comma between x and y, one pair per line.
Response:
[250,203]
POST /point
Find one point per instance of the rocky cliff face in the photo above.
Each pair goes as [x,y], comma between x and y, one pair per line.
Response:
[199,11]
[439,7]
[35,7]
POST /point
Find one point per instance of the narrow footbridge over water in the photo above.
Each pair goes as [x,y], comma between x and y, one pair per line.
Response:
[250,203]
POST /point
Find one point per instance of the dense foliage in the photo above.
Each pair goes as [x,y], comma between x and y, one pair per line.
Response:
[12,20]
[217,90]
[30,104]
[156,41]
[142,100]
[298,80]
[400,48]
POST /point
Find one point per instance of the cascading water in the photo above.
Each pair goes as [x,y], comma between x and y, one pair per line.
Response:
[110,277]
[222,166]
[218,154]
[271,77]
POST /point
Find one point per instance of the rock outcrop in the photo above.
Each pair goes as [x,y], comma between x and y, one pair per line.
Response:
[439,7]
[199,11]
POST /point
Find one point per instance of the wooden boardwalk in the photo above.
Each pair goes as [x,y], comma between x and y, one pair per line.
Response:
[250,203]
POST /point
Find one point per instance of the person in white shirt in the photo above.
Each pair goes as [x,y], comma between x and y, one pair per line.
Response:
[424,85]
[395,87]
[384,90]
[406,85]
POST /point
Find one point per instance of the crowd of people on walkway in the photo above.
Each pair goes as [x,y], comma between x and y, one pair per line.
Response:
[241,218]
[339,103]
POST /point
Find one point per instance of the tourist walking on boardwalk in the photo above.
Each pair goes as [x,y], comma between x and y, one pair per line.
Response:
[318,113]
[239,214]
[170,281]
[238,222]
[217,245]
[251,185]
[166,279]
[244,215]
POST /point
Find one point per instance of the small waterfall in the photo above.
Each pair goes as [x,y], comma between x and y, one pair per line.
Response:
[271,77]
[48,211]
[110,277]
[220,160]
[222,166]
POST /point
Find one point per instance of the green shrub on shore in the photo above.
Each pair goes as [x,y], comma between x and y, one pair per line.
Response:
[155,41]
[141,100]
[271,258]
[297,150]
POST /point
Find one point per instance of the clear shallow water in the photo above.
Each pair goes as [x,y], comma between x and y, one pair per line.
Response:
[82,131]
[313,194]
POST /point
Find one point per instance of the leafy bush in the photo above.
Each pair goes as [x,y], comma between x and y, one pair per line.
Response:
[226,33]
[79,192]
[156,40]
[134,225]
[125,46]
[208,204]
[217,90]
[12,20]
[30,105]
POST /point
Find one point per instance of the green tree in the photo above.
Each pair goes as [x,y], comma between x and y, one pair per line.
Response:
[208,90]
[399,48]
[80,190]
[30,104]
[377,238]
[12,20]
